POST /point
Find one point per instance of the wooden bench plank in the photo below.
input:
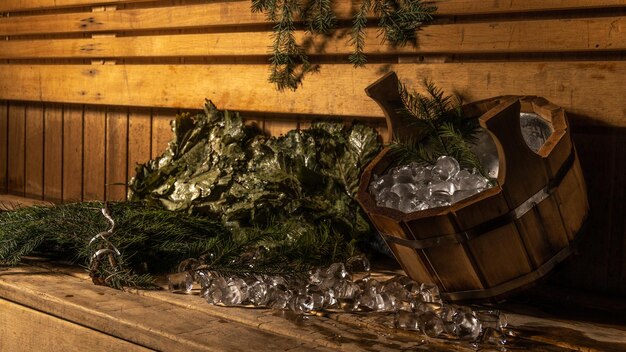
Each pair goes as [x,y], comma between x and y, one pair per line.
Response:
[564,35]
[10,202]
[24,329]
[588,89]
[445,7]
[143,321]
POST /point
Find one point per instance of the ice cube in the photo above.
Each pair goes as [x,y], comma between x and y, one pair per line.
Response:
[485,150]
[446,167]
[467,325]
[403,189]
[236,292]
[403,174]
[258,293]
[406,320]
[383,182]
[358,263]
[431,324]
[535,130]
[388,199]
[180,282]
[301,304]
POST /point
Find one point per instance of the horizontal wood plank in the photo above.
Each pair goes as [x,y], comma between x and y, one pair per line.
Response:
[589,89]
[143,321]
[592,34]
[237,13]
[445,7]
[17,324]
[473,7]
[24,5]
[214,14]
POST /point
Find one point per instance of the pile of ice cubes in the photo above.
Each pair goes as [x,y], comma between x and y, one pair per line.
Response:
[411,305]
[410,188]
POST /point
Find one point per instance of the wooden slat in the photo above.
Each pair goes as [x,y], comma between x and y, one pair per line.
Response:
[4,153]
[23,5]
[231,13]
[116,153]
[19,324]
[72,153]
[276,127]
[53,156]
[161,131]
[17,129]
[94,154]
[139,138]
[150,322]
[212,14]
[589,34]
[472,7]
[589,89]
[34,172]
[11,202]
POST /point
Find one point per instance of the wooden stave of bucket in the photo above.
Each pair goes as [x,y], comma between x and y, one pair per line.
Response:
[495,248]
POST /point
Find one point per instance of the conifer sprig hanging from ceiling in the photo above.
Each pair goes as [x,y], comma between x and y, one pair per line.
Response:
[398,21]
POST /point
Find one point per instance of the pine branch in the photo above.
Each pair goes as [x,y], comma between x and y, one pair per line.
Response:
[357,38]
[446,131]
[411,150]
[398,21]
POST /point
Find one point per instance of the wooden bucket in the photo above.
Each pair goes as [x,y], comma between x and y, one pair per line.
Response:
[504,238]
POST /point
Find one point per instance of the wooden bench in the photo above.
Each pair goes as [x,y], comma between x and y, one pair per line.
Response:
[88,87]
[54,306]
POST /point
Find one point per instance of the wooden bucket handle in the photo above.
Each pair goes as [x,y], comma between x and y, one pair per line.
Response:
[386,94]
[521,170]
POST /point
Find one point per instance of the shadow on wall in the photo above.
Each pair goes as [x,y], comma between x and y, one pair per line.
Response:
[600,262]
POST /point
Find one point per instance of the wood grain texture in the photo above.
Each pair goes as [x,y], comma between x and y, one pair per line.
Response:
[94,144]
[16,155]
[72,153]
[161,131]
[4,145]
[53,155]
[598,99]
[34,155]
[25,329]
[22,5]
[144,321]
[116,153]
[276,127]
[471,7]
[139,138]
[554,35]
[227,13]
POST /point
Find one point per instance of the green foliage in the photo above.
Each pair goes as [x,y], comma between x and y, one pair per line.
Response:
[398,22]
[444,129]
[154,240]
[238,200]
[217,166]
[148,237]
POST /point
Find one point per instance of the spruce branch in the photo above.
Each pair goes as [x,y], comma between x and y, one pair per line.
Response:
[289,62]
[445,131]
[357,38]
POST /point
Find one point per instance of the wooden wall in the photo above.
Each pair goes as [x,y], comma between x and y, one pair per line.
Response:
[88,87]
